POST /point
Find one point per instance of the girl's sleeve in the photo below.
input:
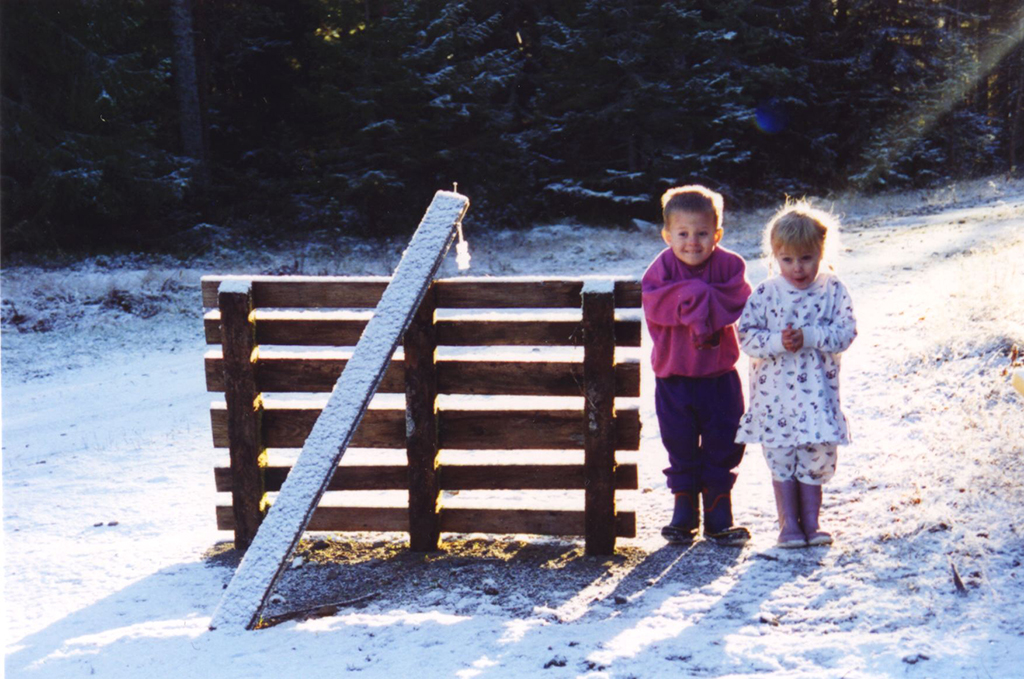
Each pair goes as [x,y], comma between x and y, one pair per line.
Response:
[756,339]
[837,333]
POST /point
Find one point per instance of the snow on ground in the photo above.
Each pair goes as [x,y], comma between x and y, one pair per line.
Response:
[112,566]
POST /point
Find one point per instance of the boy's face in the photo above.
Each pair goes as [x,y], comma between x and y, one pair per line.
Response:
[798,268]
[692,236]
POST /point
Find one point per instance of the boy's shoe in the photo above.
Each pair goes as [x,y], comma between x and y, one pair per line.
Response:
[787,503]
[810,507]
[718,525]
[682,529]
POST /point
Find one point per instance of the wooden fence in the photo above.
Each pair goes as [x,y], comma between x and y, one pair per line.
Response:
[331,312]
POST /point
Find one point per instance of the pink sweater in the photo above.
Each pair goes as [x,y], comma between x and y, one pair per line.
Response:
[686,307]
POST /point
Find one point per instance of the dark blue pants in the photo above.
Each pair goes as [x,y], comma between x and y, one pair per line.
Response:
[698,417]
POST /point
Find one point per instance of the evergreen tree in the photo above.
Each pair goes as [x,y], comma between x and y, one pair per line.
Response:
[86,101]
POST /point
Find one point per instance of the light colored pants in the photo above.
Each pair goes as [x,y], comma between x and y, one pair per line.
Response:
[811,463]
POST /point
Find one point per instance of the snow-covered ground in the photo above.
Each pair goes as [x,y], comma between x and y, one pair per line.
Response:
[113,566]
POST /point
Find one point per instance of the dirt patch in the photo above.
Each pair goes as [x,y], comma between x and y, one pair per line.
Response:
[550,579]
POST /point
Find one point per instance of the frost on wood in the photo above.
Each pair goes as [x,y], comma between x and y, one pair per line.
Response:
[288,517]
[598,286]
[236,286]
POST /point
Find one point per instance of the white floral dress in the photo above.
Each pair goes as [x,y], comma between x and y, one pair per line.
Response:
[794,397]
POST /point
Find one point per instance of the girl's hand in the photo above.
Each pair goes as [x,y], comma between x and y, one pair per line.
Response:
[792,339]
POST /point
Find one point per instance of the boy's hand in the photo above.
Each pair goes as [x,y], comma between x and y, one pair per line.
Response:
[792,339]
[708,341]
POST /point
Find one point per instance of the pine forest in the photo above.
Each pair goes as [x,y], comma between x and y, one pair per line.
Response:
[128,123]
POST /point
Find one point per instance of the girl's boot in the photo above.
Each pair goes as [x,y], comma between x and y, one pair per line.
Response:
[685,519]
[810,506]
[718,526]
[787,502]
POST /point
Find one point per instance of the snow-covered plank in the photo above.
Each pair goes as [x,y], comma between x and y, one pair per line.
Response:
[297,373]
[529,292]
[470,292]
[559,476]
[287,425]
[354,292]
[455,520]
[333,328]
[287,519]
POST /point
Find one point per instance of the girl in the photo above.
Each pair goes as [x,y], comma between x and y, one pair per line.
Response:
[794,327]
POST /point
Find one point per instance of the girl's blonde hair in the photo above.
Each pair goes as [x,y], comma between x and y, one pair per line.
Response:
[801,227]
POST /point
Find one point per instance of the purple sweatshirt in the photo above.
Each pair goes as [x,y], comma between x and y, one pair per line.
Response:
[691,313]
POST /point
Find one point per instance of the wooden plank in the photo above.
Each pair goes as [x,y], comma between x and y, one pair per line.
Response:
[456,293]
[528,477]
[477,293]
[470,332]
[394,519]
[420,345]
[317,374]
[453,520]
[528,429]
[451,477]
[528,521]
[310,292]
[528,378]
[297,328]
[599,404]
[305,329]
[348,477]
[293,510]
[287,426]
[312,374]
[244,410]
[552,293]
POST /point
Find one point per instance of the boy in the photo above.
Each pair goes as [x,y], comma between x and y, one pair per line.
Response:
[693,293]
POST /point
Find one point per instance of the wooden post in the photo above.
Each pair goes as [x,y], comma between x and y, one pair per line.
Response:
[599,414]
[421,426]
[244,408]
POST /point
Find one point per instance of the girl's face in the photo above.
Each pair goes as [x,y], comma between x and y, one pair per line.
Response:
[692,236]
[798,268]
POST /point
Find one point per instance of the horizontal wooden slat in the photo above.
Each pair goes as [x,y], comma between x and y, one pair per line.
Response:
[462,293]
[318,374]
[288,425]
[376,477]
[469,332]
[497,293]
[304,329]
[514,429]
[527,378]
[313,374]
[310,292]
[452,477]
[530,521]
[340,519]
[454,520]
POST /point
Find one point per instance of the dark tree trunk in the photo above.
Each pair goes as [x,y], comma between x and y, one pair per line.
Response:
[188,78]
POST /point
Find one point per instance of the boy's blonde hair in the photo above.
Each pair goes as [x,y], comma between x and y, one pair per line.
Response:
[692,198]
[801,227]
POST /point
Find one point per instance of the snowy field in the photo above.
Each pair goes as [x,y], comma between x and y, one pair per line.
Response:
[113,566]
